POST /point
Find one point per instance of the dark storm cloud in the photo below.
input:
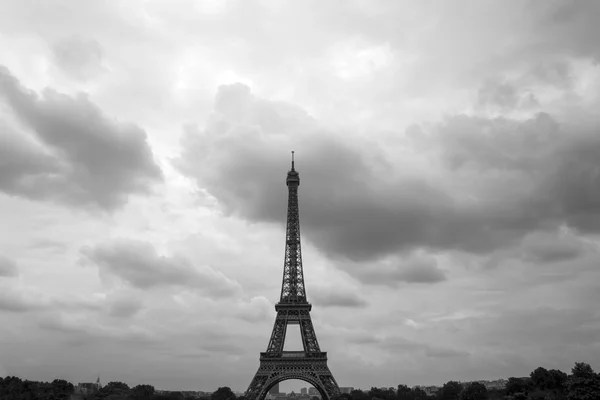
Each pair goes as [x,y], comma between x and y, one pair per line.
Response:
[23,163]
[79,57]
[8,268]
[138,264]
[345,208]
[547,172]
[87,159]
[506,178]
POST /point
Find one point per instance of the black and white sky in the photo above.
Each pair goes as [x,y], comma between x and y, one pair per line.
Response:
[449,153]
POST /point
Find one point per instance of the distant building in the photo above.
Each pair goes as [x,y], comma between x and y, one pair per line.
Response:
[192,394]
[275,389]
[304,391]
[313,392]
[346,389]
[429,390]
[88,388]
[495,384]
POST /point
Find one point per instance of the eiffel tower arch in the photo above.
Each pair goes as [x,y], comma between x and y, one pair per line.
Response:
[310,364]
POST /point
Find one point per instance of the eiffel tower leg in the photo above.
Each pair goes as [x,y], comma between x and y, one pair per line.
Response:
[256,387]
[278,335]
[330,385]
[307,331]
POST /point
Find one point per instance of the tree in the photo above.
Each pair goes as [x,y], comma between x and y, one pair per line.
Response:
[419,394]
[497,394]
[142,392]
[169,396]
[474,391]
[559,378]
[583,384]
[356,395]
[542,379]
[451,390]
[404,393]
[113,391]
[61,389]
[383,394]
[518,385]
[223,393]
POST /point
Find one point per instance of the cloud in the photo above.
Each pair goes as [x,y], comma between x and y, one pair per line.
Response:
[76,155]
[355,208]
[360,337]
[345,209]
[400,344]
[538,329]
[8,268]
[79,57]
[124,306]
[567,28]
[523,190]
[138,264]
[479,174]
[444,353]
[505,96]
[545,247]
[411,268]
[259,308]
[332,297]
[83,329]
[49,245]
[16,301]
[25,299]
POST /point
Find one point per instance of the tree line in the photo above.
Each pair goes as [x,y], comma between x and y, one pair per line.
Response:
[542,384]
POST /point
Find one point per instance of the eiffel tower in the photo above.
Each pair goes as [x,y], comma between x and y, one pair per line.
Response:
[309,365]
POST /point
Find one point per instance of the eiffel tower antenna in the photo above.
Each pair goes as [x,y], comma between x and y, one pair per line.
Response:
[309,365]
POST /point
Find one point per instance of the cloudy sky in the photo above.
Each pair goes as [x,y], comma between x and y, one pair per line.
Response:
[450,197]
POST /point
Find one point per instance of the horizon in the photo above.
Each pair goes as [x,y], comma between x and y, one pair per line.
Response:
[449,200]
[284,386]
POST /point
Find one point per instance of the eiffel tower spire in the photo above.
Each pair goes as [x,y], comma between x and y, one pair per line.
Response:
[292,287]
[277,365]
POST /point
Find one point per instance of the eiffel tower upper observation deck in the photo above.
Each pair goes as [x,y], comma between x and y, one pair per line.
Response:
[309,365]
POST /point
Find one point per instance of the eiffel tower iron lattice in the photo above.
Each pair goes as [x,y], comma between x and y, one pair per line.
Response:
[309,365]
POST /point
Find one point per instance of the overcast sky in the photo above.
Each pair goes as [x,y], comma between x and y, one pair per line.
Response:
[449,202]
